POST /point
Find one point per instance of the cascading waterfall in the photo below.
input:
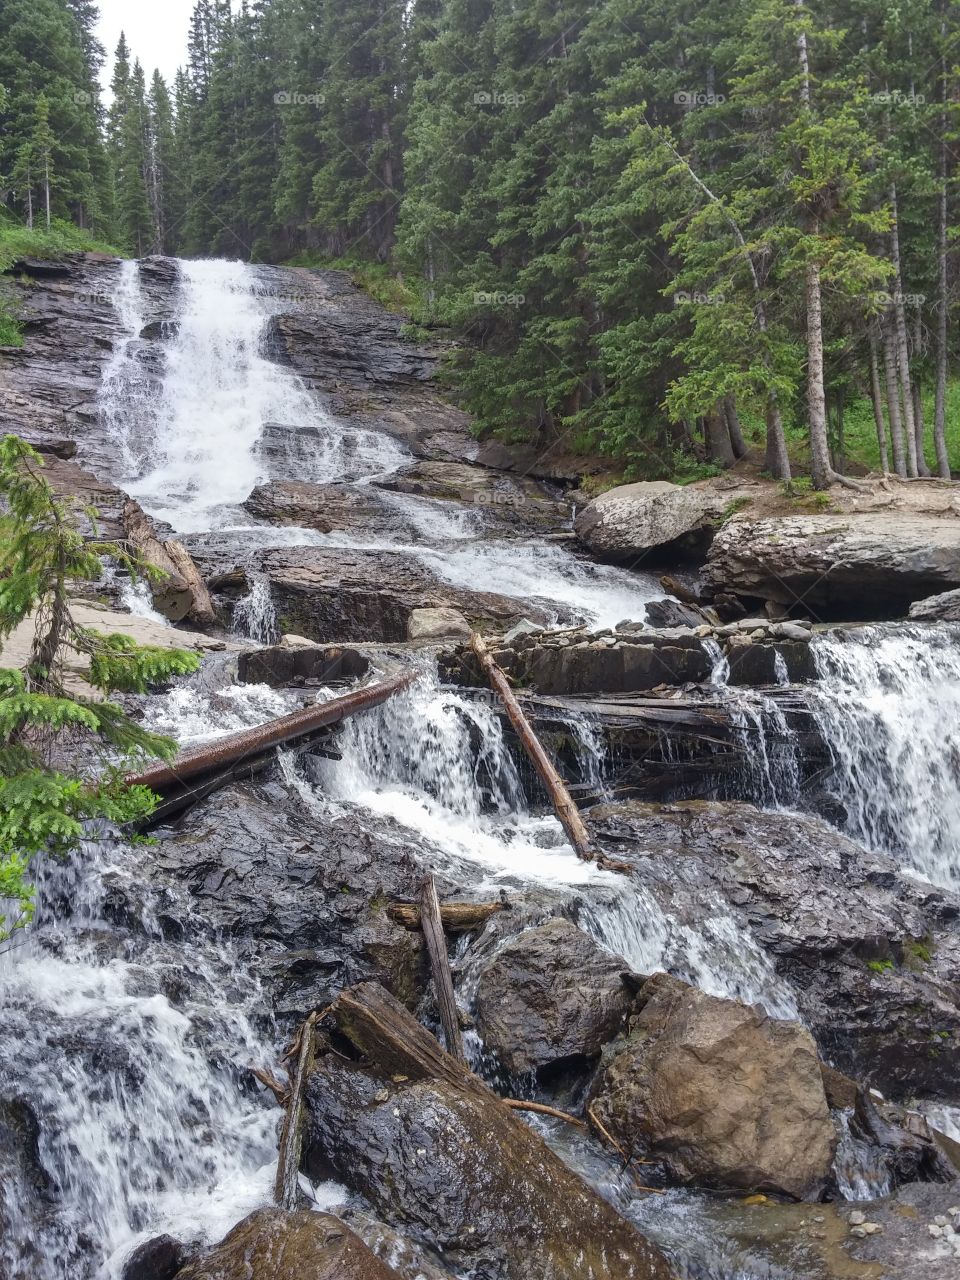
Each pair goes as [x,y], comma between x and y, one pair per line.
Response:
[255,616]
[888,705]
[125,388]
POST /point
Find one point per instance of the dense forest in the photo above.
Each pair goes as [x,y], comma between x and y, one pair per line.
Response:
[670,233]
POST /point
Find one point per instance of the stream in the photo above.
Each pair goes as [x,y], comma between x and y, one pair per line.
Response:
[133,1042]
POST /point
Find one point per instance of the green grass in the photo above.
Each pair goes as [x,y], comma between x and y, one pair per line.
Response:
[385,284]
[17,241]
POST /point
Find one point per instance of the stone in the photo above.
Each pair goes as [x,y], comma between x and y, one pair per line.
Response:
[503,498]
[437,624]
[869,565]
[857,1219]
[272,1244]
[674,613]
[158,1259]
[549,996]
[348,508]
[724,1095]
[632,520]
[523,628]
[942,608]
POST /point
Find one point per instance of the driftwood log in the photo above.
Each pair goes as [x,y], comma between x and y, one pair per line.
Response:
[456,917]
[219,761]
[563,803]
[180,592]
[439,1156]
[433,935]
[287,1188]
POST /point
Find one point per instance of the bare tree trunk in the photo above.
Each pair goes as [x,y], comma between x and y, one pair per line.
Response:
[719,448]
[940,408]
[46,187]
[733,426]
[893,395]
[432,926]
[820,468]
[876,399]
[776,460]
[902,350]
[922,468]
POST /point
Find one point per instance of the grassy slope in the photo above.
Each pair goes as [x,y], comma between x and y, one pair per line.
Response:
[17,241]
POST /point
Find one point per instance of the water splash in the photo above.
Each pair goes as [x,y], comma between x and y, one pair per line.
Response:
[888,706]
[255,615]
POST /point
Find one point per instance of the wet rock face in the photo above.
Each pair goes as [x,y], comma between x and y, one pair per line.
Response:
[870,954]
[337,595]
[724,1094]
[550,996]
[840,566]
[290,1246]
[158,1259]
[457,1171]
[296,891]
[507,499]
[942,608]
[637,519]
[324,507]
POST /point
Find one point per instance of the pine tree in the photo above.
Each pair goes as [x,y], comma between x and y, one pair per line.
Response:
[164,182]
[134,217]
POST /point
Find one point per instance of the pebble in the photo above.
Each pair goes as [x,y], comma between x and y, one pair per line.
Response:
[941,1221]
[857,1218]
[935,1230]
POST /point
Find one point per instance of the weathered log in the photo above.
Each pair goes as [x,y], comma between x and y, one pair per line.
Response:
[433,935]
[456,917]
[563,804]
[439,1156]
[201,610]
[171,593]
[286,1190]
[239,747]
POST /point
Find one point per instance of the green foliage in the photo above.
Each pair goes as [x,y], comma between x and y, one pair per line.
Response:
[879,966]
[44,805]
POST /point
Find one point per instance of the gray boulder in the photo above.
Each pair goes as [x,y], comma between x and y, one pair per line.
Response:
[942,608]
[725,1095]
[437,624]
[549,996]
[627,522]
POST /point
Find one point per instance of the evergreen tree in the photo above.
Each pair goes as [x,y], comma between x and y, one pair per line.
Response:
[163,186]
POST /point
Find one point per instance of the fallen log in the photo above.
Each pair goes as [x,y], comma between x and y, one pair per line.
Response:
[201,611]
[433,935]
[287,1187]
[440,1157]
[218,756]
[171,593]
[456,917]
[563,804]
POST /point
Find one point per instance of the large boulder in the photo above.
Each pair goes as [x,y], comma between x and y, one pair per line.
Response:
[324,507]
[511,499]
[837,566]
[634,519]
[550,996]
[725,1095]
[274,1245]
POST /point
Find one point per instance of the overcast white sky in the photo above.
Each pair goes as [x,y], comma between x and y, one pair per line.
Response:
[156,33]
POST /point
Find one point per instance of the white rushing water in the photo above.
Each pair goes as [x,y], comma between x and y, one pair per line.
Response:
[888,704]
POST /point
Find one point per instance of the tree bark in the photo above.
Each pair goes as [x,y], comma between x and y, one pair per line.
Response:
[171,593]
[820,468]
[902,349]
[201,611]
[893,395]
[719,447]
[876,399]
[940,408]
[733,426]
[433,935]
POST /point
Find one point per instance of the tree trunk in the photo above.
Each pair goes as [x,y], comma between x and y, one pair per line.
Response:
[733,426]
[820,469]
[776,459]
[456,917]
[893,395]
[46,187]
[940,409]
[876,399]
[719,448]
[201,611]
[287,1187]
[902,349]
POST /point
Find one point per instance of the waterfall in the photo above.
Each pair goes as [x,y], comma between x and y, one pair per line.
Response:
[888,706]
[255,616]
[125,389]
